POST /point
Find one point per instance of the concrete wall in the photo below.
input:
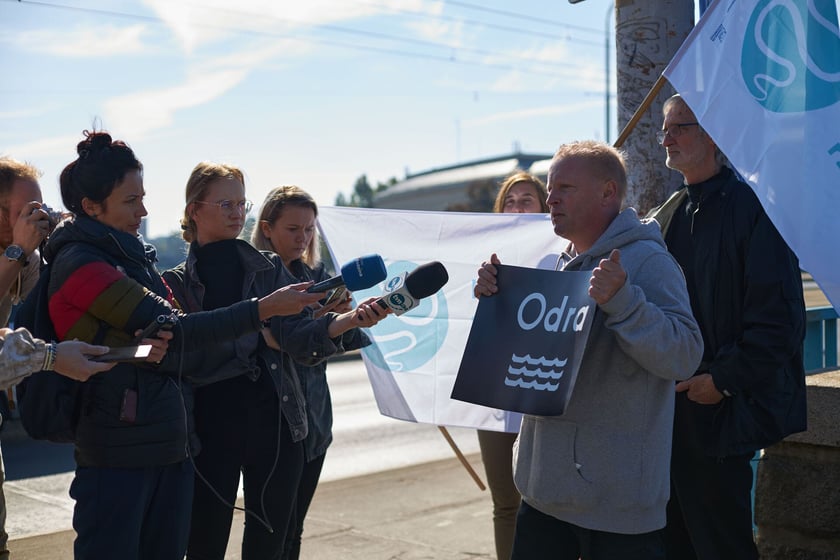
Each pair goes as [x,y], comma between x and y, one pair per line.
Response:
[797,496]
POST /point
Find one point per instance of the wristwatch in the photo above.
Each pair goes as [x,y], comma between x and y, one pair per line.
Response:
[15,253]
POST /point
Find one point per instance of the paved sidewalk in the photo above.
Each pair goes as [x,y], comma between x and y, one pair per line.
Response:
[431,511]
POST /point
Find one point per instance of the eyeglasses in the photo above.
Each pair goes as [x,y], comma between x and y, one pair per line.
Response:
[674,131]
[229,205]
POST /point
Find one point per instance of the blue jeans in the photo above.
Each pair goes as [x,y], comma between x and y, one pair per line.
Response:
[542,537]
[132,513]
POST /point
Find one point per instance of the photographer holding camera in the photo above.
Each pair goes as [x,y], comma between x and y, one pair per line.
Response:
[24,224]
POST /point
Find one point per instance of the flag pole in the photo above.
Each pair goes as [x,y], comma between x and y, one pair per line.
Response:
[646,102]
[461,457]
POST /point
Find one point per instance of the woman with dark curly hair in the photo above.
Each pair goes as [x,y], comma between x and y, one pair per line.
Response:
[134,437]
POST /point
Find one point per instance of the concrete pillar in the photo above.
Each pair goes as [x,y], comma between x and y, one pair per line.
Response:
[797,494]
[648,34]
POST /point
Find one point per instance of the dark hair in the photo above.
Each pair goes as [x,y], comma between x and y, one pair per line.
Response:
[102,163]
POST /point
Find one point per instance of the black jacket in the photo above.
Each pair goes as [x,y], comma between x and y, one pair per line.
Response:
[246,355]
[109,312]
[746,294]
[304,339]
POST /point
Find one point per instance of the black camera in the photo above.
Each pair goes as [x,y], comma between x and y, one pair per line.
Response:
[53,216]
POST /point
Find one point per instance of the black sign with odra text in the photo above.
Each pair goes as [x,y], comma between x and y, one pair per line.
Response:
[527,341]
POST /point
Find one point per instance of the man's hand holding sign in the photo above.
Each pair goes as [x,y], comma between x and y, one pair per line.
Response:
[526,344]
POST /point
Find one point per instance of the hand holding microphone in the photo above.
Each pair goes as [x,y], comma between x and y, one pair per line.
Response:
[368,313]
[358,274]
[403,293]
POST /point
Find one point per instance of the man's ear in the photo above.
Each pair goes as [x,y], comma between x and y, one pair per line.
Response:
[610,191]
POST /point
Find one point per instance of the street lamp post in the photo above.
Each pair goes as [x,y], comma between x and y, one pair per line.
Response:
[610,10]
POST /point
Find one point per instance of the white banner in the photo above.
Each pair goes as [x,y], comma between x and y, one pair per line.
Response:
[763,79]
[415,357]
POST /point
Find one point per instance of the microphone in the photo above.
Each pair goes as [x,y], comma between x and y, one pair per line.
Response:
[358,274]
[404,292]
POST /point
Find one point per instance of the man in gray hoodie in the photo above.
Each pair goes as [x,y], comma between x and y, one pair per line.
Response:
[595,481]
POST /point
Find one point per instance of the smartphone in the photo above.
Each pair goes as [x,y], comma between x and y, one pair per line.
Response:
[124,354]
[336,295]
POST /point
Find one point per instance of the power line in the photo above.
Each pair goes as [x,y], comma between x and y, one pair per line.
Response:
[452,58]
[408,40]
[524,17]
[454,19]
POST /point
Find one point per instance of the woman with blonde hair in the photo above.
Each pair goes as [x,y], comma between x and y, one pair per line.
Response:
[287,227]
[520,192]
[249,415]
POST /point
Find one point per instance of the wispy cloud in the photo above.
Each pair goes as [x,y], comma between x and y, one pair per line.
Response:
[444,32]
[196,24]
[536,112]
[142,112]
[46,147]
[92,42]
[210,76]
[25,113]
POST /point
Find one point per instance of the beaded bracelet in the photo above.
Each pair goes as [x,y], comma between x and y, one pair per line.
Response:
[49,357]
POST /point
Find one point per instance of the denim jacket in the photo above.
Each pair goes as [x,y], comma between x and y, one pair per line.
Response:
[247,355]
[313,369]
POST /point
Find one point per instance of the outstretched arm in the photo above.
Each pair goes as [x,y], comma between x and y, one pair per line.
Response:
[21,355]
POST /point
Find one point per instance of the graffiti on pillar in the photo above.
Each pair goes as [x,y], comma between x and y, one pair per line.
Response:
[642,54]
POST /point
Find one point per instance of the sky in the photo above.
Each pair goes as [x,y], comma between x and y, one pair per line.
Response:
[314,93]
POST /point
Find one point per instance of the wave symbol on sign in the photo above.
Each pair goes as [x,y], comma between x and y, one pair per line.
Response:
[525,377]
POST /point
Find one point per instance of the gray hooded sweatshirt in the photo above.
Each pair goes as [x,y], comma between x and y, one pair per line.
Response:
[605,463]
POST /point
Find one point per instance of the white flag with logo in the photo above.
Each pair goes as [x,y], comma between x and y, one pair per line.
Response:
[763,79]
[414,358]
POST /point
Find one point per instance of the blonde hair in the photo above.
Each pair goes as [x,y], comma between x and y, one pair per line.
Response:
[272,208]
[514,179]
[604,161]
[202,175]
[12,170]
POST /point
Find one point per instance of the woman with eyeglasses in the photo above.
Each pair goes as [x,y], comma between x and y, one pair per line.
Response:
[134,434]
[250,416]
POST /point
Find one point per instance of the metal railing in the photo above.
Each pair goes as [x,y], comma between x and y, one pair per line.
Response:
[820,351]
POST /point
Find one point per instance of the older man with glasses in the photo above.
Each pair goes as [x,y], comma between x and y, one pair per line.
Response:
[749,391]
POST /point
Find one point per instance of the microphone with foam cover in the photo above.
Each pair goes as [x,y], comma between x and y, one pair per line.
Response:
[358,274]
[404,292]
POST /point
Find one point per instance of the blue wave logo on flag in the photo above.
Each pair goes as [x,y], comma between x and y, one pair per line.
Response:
[790,60]
[407,342]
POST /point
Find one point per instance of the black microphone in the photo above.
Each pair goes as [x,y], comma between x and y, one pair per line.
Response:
[358,274]
[160,323]
[404,292]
